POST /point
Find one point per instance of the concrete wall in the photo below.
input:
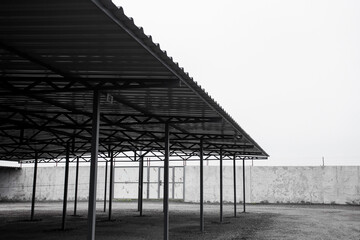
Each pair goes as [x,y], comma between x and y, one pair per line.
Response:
[340,185]
[16,184]
[126,182]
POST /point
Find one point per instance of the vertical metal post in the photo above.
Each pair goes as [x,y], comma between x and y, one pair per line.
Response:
[159,182]
[234,168]
[106,170]
[141,184]
[138,180]
[201,187]
[111,190]
[221,186]
[244,202]
[183,183]
[93,166]
[148,179]
[166,183]
[76,184]
[34,187]
[173,183]
[66,180]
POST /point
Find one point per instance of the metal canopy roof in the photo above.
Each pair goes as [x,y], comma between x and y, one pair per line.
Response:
[55,54]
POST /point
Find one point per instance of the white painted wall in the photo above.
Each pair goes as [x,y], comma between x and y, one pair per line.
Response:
[339,184]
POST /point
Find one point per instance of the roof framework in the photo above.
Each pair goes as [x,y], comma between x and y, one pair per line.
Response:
[55,54]
[79,79]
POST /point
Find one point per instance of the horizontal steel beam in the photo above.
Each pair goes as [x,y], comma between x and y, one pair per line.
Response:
[48,85]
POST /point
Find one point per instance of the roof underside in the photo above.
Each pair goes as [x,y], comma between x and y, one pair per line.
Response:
[54,54]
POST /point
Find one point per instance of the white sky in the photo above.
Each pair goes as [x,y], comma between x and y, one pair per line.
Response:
[287,71]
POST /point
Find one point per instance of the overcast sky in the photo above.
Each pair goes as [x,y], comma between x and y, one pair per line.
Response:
[287,71]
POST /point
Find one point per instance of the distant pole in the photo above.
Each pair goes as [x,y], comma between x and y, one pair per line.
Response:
[234,173]
[111,190]
[76,184]
[66,181]
[105,187]
[34,187]
[201,187]
[141,184]
[166,183]
[148,179]
[221,186]
[323,161]
[244,201]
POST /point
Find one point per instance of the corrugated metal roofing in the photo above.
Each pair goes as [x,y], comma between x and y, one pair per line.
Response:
[54,54]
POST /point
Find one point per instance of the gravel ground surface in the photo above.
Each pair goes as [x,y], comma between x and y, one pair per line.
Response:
[260,222]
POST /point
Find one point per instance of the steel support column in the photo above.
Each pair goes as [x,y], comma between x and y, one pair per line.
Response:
[66,181]
[244,202]
[234,169]
[111,190]
[76,184]
[221,186]
[201,187]
[105,187]
[166,183]
[93,166]
[141,184]
[148,179]
[34,187]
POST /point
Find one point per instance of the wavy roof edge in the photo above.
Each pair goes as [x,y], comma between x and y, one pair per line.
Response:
[127,24]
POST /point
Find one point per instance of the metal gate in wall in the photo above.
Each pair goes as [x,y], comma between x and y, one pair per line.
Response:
[126,182]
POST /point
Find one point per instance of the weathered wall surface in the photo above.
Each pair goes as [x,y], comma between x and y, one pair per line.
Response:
[16,184]
[339,185]
[328,185]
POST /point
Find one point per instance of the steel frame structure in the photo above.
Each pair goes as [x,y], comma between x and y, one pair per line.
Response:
[79,80]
